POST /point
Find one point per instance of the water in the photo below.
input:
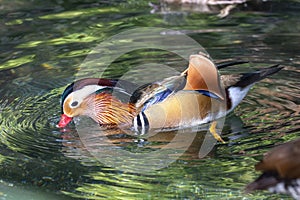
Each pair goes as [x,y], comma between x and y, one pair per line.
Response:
[43,46]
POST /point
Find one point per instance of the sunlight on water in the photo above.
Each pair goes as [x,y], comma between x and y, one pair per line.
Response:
[41,52]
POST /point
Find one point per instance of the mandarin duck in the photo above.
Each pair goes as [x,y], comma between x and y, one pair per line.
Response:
[198,95]
[281,170]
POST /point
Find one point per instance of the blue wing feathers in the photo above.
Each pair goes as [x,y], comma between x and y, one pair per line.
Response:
[159,97]
[207,93]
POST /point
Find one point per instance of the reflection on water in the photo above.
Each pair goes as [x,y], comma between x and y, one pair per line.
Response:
[42,49]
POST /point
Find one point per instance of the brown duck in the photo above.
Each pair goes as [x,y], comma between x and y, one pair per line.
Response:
[281,170]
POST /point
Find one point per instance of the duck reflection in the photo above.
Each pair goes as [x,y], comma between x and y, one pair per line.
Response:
[186,144]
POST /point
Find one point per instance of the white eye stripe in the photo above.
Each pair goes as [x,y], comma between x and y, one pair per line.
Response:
[78,95]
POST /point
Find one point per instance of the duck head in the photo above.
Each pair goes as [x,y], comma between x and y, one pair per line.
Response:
[72,99]
[93,97]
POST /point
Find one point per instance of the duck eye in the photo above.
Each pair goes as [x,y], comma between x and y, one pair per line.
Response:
[74,103]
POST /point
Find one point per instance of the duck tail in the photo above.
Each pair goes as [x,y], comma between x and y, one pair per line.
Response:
[252,77]
[229,63]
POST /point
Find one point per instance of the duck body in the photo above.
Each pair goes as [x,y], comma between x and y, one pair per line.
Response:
[183,109]
[281,170]
[200,100]
[196,96]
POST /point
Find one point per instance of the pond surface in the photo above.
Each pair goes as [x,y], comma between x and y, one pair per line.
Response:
[44,47]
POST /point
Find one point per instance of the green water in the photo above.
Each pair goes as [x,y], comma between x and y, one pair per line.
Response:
[44,46]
